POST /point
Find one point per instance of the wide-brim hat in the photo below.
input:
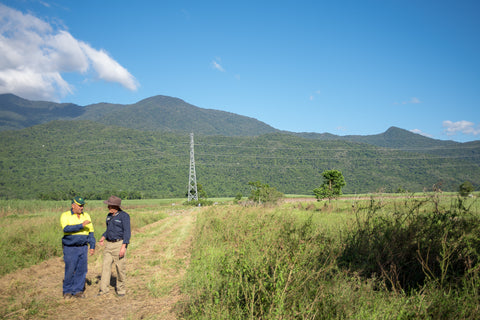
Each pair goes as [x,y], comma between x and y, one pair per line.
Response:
[113,201]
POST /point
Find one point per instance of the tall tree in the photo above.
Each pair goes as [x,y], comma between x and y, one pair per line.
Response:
[333,182]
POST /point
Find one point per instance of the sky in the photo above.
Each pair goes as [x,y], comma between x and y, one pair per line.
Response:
[346,67]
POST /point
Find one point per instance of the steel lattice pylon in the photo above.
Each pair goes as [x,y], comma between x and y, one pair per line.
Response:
[192,181]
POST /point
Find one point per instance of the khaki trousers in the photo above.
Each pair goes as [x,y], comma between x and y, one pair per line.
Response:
[110,257]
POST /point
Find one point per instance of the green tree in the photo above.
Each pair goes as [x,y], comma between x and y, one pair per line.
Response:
[465,188]
[263,193]
[333,182]
[201,191]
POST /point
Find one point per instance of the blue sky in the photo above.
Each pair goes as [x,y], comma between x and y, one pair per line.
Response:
[343,67]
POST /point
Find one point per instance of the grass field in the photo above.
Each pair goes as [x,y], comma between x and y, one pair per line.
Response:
[358,257]
[414,257]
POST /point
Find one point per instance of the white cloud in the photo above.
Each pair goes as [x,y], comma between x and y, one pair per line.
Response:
[217,66]
[108,69]
[465,127]
[412,100]
[420,132]
[34,54]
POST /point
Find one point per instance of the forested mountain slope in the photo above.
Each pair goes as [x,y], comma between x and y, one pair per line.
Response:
[89,157]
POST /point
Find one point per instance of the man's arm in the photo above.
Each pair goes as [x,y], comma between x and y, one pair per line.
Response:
[126,235]
[72,228]
[126,229]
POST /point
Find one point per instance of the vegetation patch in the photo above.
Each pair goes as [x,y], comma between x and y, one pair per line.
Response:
[380,258]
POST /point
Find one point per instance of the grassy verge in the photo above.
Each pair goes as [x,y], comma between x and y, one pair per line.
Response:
[403,258]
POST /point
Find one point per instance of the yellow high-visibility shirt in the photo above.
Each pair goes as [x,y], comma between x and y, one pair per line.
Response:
[74,233]
[70,222]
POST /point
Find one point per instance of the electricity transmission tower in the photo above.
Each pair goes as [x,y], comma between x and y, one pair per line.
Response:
[192,181]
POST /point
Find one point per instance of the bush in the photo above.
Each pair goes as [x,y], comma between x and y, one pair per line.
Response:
[263,193]
[419,243]
[465,189]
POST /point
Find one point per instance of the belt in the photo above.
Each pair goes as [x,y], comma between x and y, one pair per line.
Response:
[114,240]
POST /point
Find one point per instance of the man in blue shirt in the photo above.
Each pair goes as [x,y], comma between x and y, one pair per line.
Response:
[77,234]
[117,237]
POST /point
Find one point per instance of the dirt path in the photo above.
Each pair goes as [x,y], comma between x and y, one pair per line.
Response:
[157,259]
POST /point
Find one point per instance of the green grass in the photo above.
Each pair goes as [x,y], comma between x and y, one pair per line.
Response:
[337,260]
[369,257]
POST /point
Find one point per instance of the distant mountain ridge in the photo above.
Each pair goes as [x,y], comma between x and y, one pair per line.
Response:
[394,137]
[164,113]
[158,113]
[19,113]
[144,147]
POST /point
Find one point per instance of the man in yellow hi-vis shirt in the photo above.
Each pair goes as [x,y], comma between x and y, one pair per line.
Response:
[77,235]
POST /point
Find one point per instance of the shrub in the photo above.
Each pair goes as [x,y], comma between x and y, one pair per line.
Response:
[465,189]
[263,193]
[420,242]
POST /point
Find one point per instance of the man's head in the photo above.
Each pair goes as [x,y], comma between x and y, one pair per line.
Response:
[113,203]
[77,205]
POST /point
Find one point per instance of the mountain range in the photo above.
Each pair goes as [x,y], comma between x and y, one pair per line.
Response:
[231,148]
[158,113]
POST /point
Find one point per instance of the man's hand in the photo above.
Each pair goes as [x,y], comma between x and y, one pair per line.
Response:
[100,242]
[122,252]
[92,251]
[84,223]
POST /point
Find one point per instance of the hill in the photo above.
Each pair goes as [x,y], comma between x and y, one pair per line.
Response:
[168,114]
[392,138]
[142,149]
[18,113]
[400,139]
[159,113]
[95,159]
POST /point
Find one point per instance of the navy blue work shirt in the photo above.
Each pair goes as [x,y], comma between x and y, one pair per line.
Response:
[118,227]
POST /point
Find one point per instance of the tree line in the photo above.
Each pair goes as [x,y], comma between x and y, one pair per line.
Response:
[92,195]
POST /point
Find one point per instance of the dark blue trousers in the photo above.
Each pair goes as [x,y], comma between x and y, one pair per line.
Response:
[76,268]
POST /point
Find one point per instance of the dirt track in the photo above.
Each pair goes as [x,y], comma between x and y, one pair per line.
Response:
[156,263]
